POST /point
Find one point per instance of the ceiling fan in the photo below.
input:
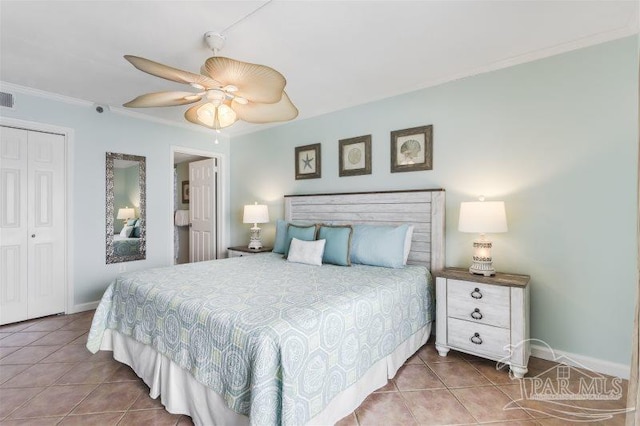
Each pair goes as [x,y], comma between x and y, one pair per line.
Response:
[231,90]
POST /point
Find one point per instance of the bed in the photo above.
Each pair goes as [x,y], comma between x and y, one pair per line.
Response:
[125,246]
[274,342]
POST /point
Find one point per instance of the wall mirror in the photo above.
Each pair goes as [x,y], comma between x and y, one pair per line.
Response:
[125,208]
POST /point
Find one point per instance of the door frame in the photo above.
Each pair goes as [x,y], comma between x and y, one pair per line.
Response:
[69,136]
[221,237]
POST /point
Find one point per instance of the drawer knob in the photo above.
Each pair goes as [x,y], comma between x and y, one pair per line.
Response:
[476,293]
[476,339]
[476,314]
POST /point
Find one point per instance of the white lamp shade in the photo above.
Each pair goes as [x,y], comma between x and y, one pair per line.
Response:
[255,213]
[182,217]
[482,217]
[126,213]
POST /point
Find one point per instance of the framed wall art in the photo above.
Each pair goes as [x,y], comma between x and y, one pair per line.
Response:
[185,192]
[308,165]
[355,156]
[412,149]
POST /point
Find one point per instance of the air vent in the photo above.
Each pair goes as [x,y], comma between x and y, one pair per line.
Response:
[6,100]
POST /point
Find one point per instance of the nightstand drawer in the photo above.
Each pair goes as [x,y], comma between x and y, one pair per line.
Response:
[479,313]
[478,295]
[478,338]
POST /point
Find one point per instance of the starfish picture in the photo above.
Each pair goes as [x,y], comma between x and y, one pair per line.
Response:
[307,161]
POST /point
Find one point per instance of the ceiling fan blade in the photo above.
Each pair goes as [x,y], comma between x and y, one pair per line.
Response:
[163,99]
[170,73]
[266,113]
[204,115]
[257,83]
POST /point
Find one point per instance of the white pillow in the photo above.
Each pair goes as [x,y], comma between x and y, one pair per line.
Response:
[309,252]
[126,231]
[407,243]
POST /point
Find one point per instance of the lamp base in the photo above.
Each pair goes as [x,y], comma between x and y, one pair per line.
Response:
[482,268]
[255,241]
[482,260]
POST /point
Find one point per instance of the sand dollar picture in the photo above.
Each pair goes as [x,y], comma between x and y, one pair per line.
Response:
[354,156]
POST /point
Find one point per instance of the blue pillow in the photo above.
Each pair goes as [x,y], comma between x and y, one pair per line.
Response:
[338,246]
[379,245]
[304,233]
[279,244]
[131,222]
[136,232]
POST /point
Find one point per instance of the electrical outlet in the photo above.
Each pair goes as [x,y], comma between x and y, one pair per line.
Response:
[122,267]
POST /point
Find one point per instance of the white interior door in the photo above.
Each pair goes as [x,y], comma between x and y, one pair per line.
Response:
[13,225]
[46,199]
[202,210]
[32,229]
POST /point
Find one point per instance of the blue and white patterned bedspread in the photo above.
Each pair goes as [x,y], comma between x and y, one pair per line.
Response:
[277,340]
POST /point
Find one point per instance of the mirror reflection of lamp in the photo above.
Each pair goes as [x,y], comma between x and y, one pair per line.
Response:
[482,217]
[126,213]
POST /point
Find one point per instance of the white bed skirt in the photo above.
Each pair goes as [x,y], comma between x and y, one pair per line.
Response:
[180,393]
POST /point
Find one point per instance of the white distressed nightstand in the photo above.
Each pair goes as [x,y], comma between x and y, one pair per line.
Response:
[484,316]
[241,251]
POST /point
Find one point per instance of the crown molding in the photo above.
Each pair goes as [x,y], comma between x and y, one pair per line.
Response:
[16,88]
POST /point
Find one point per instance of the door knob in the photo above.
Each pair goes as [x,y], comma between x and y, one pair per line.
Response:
[33,235]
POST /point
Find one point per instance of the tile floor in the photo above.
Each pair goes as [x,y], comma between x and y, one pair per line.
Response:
[47,377]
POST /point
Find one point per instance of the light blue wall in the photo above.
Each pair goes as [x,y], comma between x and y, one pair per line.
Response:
[95,134]
[556,139]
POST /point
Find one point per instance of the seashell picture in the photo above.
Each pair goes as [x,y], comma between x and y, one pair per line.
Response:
[412,149]
[355,156]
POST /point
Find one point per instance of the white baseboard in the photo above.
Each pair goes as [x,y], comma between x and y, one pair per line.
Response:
[84,307]
[582,361]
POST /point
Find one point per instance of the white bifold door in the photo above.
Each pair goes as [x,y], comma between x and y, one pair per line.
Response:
[32,224]
[202,210]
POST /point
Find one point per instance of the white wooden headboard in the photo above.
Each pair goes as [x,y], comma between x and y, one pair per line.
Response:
[424,209]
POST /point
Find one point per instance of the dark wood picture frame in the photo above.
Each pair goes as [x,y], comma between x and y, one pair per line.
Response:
[308,163]
[412,149]
[357,160]
[185,192]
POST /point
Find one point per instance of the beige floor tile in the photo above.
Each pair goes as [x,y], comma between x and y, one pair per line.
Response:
[185,421]
[123,374]
[58,337]
[37,375]
[459,374]
[29,355]
[53,401]
[49,324]
[437,407]
[488,403]
[389,387]
[11,328]
[22,338]
[109,397]
[14,398]
[89,372]
[102,419]
[145,402]
[47,421]
[415,377]
[149,417]
[4,351]
[11,370]
[429,354]
[349,420]
[385,408]
[71,353]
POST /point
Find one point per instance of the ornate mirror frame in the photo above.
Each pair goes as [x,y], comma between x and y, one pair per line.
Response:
[111,255]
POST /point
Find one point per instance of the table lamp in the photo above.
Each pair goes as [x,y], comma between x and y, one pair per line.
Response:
[125,214]
[255,213]
[482,217]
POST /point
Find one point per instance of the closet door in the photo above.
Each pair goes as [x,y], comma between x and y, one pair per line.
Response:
[32,224]
[13,225]
[46,247]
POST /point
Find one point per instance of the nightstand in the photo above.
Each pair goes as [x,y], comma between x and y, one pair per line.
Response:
[241,251]
[484,316]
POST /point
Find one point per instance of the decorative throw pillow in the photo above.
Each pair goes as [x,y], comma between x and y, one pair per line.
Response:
[407,243]
[281,236]
[338,247]
[126,231]
[379,245]
[308,252]
[305,233]
[136,231]
[132,222]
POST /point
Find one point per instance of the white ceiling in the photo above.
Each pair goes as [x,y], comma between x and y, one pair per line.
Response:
[334,54]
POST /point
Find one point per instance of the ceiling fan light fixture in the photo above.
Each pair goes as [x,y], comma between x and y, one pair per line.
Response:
[216,117]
